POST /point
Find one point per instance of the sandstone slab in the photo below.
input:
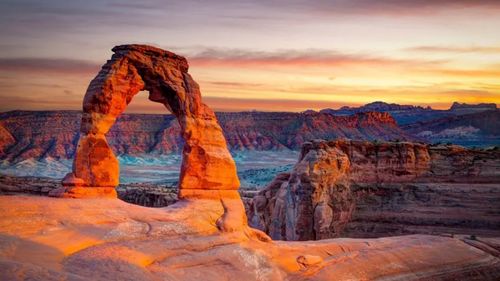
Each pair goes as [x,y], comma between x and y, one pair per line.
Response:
[44,238]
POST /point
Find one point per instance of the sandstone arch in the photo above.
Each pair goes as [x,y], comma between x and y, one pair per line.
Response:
[207,170]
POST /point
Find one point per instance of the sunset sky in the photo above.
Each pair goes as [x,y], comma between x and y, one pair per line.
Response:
[266,55]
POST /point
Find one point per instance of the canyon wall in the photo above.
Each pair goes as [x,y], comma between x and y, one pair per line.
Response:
[369,189]
[55,133]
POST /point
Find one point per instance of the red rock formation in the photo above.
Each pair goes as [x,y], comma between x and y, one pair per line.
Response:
[274,130]
[207,171]
[383,162]
[303,204]
[365,189]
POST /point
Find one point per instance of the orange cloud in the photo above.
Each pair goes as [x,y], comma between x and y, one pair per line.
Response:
[451,49]
[291,58]
[234,80]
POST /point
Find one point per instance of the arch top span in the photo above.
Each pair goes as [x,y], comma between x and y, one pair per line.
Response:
[207,169]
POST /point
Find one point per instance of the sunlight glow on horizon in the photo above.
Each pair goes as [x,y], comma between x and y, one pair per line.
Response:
[260,55]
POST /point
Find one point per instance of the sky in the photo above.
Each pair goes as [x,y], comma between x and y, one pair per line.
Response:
[271,55]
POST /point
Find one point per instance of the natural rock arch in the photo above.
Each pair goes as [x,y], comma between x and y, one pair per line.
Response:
[207,170]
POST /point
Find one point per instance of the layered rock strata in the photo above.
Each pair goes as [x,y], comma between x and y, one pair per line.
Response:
[366,189]
[55,134]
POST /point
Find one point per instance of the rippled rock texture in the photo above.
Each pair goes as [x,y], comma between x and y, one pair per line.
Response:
[44,238]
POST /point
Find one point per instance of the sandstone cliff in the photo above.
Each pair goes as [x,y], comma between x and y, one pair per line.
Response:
[366,189]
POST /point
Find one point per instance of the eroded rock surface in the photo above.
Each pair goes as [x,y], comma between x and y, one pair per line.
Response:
[44,238]
[365,189]
[207,170]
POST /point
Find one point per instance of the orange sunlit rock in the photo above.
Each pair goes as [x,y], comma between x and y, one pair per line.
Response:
[107,239]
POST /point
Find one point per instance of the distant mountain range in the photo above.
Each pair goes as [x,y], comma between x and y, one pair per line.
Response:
[463,124]
[408,114]
[40,134]
[474,129]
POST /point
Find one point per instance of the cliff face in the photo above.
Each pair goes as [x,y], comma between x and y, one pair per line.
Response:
[364,189]
[6,140]
[316,191]
[41,134]
[275,130]
[55,133]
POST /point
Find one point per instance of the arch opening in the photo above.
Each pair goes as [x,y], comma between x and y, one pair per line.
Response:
[141,104]
[146,140]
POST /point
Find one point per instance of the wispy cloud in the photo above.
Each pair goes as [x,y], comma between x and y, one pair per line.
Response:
[394,7]
[324,6]
[311,57]
[47,102]
[44,65]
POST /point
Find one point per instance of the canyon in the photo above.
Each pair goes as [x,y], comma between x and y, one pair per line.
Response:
[389,189]
[55,133]
[82,231]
